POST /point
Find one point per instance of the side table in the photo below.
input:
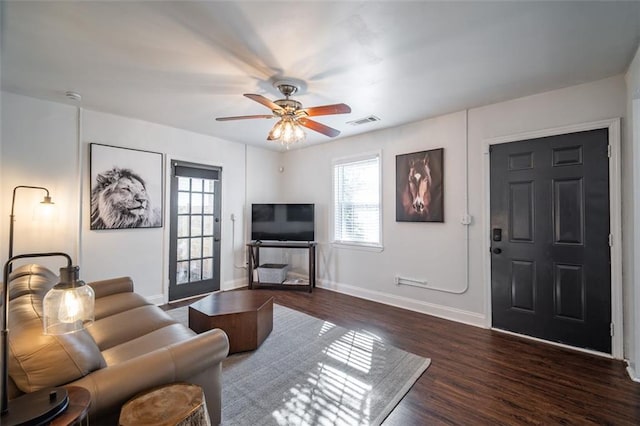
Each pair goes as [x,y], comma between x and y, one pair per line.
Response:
[78,409]
[177,404]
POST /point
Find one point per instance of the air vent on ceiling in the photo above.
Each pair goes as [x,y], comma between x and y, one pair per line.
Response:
[369,119]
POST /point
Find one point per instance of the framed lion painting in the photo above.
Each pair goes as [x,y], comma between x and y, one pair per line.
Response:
[419,186]
[126,187]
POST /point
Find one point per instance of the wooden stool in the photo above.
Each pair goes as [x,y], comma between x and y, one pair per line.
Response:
[178,404]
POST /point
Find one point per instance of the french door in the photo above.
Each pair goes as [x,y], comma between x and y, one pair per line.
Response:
[194,247]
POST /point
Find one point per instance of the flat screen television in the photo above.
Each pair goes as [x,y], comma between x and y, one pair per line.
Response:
[283,222]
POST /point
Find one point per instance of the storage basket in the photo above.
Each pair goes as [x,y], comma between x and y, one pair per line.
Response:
[272,273]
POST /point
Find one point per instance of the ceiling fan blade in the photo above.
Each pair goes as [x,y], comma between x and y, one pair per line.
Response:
[243,117]
[327,110]
[264,101]
[318,127]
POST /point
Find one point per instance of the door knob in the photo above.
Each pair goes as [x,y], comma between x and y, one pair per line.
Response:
[497,250]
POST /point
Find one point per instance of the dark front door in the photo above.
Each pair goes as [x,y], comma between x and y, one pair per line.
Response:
[194,247]
[550,253]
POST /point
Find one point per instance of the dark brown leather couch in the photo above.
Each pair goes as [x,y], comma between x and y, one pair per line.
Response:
[131,347]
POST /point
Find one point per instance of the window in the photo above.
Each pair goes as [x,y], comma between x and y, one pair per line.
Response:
[357,212]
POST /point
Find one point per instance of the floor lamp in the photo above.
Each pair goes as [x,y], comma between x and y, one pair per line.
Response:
[67,307]
[45,201]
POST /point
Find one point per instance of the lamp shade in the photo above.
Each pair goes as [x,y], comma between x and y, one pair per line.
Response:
[44,210]
[287,131]
[69,305]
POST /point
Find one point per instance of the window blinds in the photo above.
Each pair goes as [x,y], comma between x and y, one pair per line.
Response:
[357,201]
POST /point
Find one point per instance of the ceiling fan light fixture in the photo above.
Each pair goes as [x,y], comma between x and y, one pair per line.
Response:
[276,131]
[287,131]
[291,116]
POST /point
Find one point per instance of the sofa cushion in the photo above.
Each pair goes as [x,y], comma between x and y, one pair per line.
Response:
[37,360]
[124,326]
[104,288]
[31,279]
[157,339]
[116,303]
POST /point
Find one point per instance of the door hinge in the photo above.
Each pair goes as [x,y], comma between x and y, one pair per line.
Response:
[609,151]
[611,329]
[610,240]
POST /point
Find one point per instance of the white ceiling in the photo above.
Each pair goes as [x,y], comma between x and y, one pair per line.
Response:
[184,63]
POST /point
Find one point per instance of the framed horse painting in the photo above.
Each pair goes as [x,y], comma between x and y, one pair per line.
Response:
[419,186]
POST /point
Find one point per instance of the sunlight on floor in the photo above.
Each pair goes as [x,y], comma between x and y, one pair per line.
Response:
[326,327]
[354,349]
[337,392]
[329,397]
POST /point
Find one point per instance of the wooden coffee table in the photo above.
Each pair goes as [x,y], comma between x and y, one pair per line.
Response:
[245,315]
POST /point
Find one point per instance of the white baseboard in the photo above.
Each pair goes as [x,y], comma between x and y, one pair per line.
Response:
[440,311]
[234,284]
[632,373]
[157,299]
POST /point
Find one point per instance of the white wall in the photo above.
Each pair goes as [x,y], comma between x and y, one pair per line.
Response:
[432,251]
[416,250]
[41,148]
[38,149]
[632,244]
[266,187]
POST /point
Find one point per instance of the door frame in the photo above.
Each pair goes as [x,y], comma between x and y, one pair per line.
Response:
[166,234]
[615,220]
[197,288]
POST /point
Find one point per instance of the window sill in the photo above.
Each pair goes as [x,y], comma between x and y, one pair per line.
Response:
[358,246]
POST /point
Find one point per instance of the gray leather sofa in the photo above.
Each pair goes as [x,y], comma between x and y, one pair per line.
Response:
[131,347]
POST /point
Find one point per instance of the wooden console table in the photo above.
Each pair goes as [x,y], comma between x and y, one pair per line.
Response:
[253,249]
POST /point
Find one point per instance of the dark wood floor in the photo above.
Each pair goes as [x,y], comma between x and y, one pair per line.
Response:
[483,377]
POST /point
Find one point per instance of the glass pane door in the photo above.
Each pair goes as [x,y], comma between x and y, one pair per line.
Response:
[195,229]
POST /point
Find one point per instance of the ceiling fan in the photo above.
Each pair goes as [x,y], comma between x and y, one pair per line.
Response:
[292,115]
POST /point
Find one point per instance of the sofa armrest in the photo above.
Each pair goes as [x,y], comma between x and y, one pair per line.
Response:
[112,286]
[112,386]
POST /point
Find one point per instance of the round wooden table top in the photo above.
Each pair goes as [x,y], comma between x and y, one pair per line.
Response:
[79,402]
[163,406]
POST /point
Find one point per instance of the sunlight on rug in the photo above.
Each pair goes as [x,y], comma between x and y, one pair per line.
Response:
[312,372]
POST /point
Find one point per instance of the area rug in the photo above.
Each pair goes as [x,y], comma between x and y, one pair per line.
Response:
[312,372]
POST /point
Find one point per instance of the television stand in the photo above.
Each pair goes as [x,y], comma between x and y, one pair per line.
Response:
[253,249]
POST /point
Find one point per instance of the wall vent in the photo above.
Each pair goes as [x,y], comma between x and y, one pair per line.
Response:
[369,119]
